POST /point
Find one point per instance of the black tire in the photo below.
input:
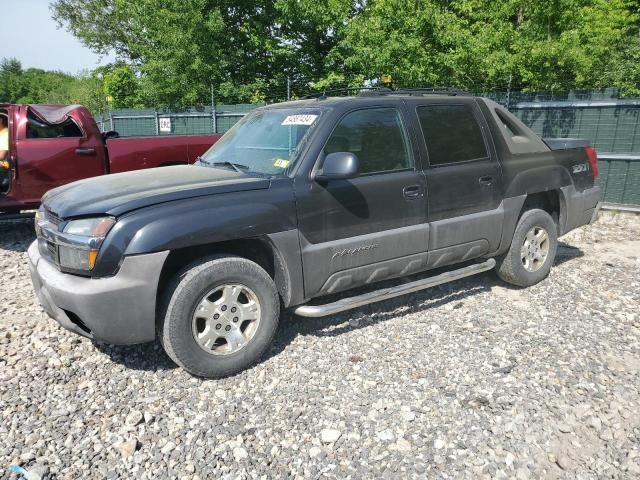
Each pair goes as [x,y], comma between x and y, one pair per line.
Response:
[510,266]
[175,326]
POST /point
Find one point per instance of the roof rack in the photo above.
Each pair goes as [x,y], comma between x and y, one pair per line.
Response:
[418,91]
[362,91]
[380,91]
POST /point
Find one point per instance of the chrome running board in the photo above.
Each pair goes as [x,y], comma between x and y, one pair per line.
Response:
[391,292]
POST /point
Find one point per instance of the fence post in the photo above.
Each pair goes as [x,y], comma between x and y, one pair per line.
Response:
[157,121]
[214,115]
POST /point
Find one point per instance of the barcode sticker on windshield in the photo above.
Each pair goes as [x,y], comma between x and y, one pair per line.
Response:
[281,163]
[299,120]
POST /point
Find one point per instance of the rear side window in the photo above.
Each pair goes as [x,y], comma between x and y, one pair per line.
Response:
[68,129]
[376,136]
[452,134]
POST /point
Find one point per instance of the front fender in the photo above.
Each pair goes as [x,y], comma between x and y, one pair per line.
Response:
[197,221]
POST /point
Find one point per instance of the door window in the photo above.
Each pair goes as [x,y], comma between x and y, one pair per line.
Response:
[376,136]
[67,129]
[452,134]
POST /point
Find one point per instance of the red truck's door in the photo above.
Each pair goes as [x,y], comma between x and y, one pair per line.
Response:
[52,155]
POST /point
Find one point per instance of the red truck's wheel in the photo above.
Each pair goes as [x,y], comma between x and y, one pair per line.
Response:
[532,251]
[221,315]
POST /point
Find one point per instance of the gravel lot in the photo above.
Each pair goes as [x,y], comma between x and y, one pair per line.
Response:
[468,380]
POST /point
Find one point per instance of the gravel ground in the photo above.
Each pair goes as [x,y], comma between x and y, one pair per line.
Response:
[468,380]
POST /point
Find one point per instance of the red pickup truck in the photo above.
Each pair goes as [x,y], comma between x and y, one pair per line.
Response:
[51,145]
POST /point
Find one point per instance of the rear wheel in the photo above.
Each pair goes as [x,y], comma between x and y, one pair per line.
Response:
[221,315]
[532,251]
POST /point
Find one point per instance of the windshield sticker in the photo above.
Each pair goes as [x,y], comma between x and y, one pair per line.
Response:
[299,120]
[281,163]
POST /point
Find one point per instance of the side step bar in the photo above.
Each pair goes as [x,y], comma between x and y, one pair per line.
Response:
[391,292]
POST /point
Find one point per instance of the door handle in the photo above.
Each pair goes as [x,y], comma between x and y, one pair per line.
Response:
[486,180]
[86,151]
[413,192]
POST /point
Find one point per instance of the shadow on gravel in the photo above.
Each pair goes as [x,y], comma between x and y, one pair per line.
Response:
[567,252]
[422,301]
[291,325]
[148,357]
[16,235]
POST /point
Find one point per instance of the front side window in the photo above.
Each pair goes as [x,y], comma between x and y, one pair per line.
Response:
[376,136]
[452,134]
[265,142]
[67,129]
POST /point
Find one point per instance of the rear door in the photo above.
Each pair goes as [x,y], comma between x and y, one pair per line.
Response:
[372,227]
[52,155]
[464,181]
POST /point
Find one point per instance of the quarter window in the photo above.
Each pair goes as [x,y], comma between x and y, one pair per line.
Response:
[452,134]
[376,136]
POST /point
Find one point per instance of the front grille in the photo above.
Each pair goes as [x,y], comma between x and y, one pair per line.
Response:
[48,250]
[53,251]
[51,217]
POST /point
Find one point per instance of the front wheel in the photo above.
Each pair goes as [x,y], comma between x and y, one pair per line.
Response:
[532,251]
[220,317]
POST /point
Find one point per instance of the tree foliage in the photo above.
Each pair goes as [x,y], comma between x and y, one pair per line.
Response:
[174,50]
[483,44]
[34,85]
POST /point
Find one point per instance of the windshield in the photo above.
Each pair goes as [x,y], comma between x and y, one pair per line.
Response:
[265,141]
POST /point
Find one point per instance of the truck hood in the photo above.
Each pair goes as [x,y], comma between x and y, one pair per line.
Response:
[123,192]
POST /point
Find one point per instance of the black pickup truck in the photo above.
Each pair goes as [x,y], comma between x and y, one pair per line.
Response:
[300,200]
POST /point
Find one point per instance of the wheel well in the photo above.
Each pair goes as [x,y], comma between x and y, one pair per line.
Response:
[547,201]
[257,250]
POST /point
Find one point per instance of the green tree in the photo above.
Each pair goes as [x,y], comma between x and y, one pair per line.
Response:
[246,48]
[177,49]
[483,44]
[34,85]
[122,86]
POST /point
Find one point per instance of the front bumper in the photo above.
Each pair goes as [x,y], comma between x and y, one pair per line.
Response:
[118,310]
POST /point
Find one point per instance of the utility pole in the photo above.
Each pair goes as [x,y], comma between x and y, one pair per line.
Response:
[288,87]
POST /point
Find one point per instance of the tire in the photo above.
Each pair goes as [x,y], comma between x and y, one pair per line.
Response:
[202,338]
[521,265]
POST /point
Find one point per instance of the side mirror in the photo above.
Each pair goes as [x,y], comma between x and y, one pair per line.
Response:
[110,134]
[338,166]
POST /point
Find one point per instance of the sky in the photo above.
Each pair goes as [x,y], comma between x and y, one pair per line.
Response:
[46,46]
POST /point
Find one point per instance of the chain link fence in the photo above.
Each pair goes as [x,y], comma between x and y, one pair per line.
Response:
[611,124]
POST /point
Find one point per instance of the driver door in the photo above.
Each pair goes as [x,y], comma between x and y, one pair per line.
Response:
[52,155]
[372,227]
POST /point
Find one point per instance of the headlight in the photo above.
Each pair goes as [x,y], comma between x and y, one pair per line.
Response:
[90,227]
[89,234]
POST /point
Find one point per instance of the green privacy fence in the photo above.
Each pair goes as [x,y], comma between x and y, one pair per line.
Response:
[611,124]
[188,121]
[620,178]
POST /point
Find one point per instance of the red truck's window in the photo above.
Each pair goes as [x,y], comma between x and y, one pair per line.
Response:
[67,129]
